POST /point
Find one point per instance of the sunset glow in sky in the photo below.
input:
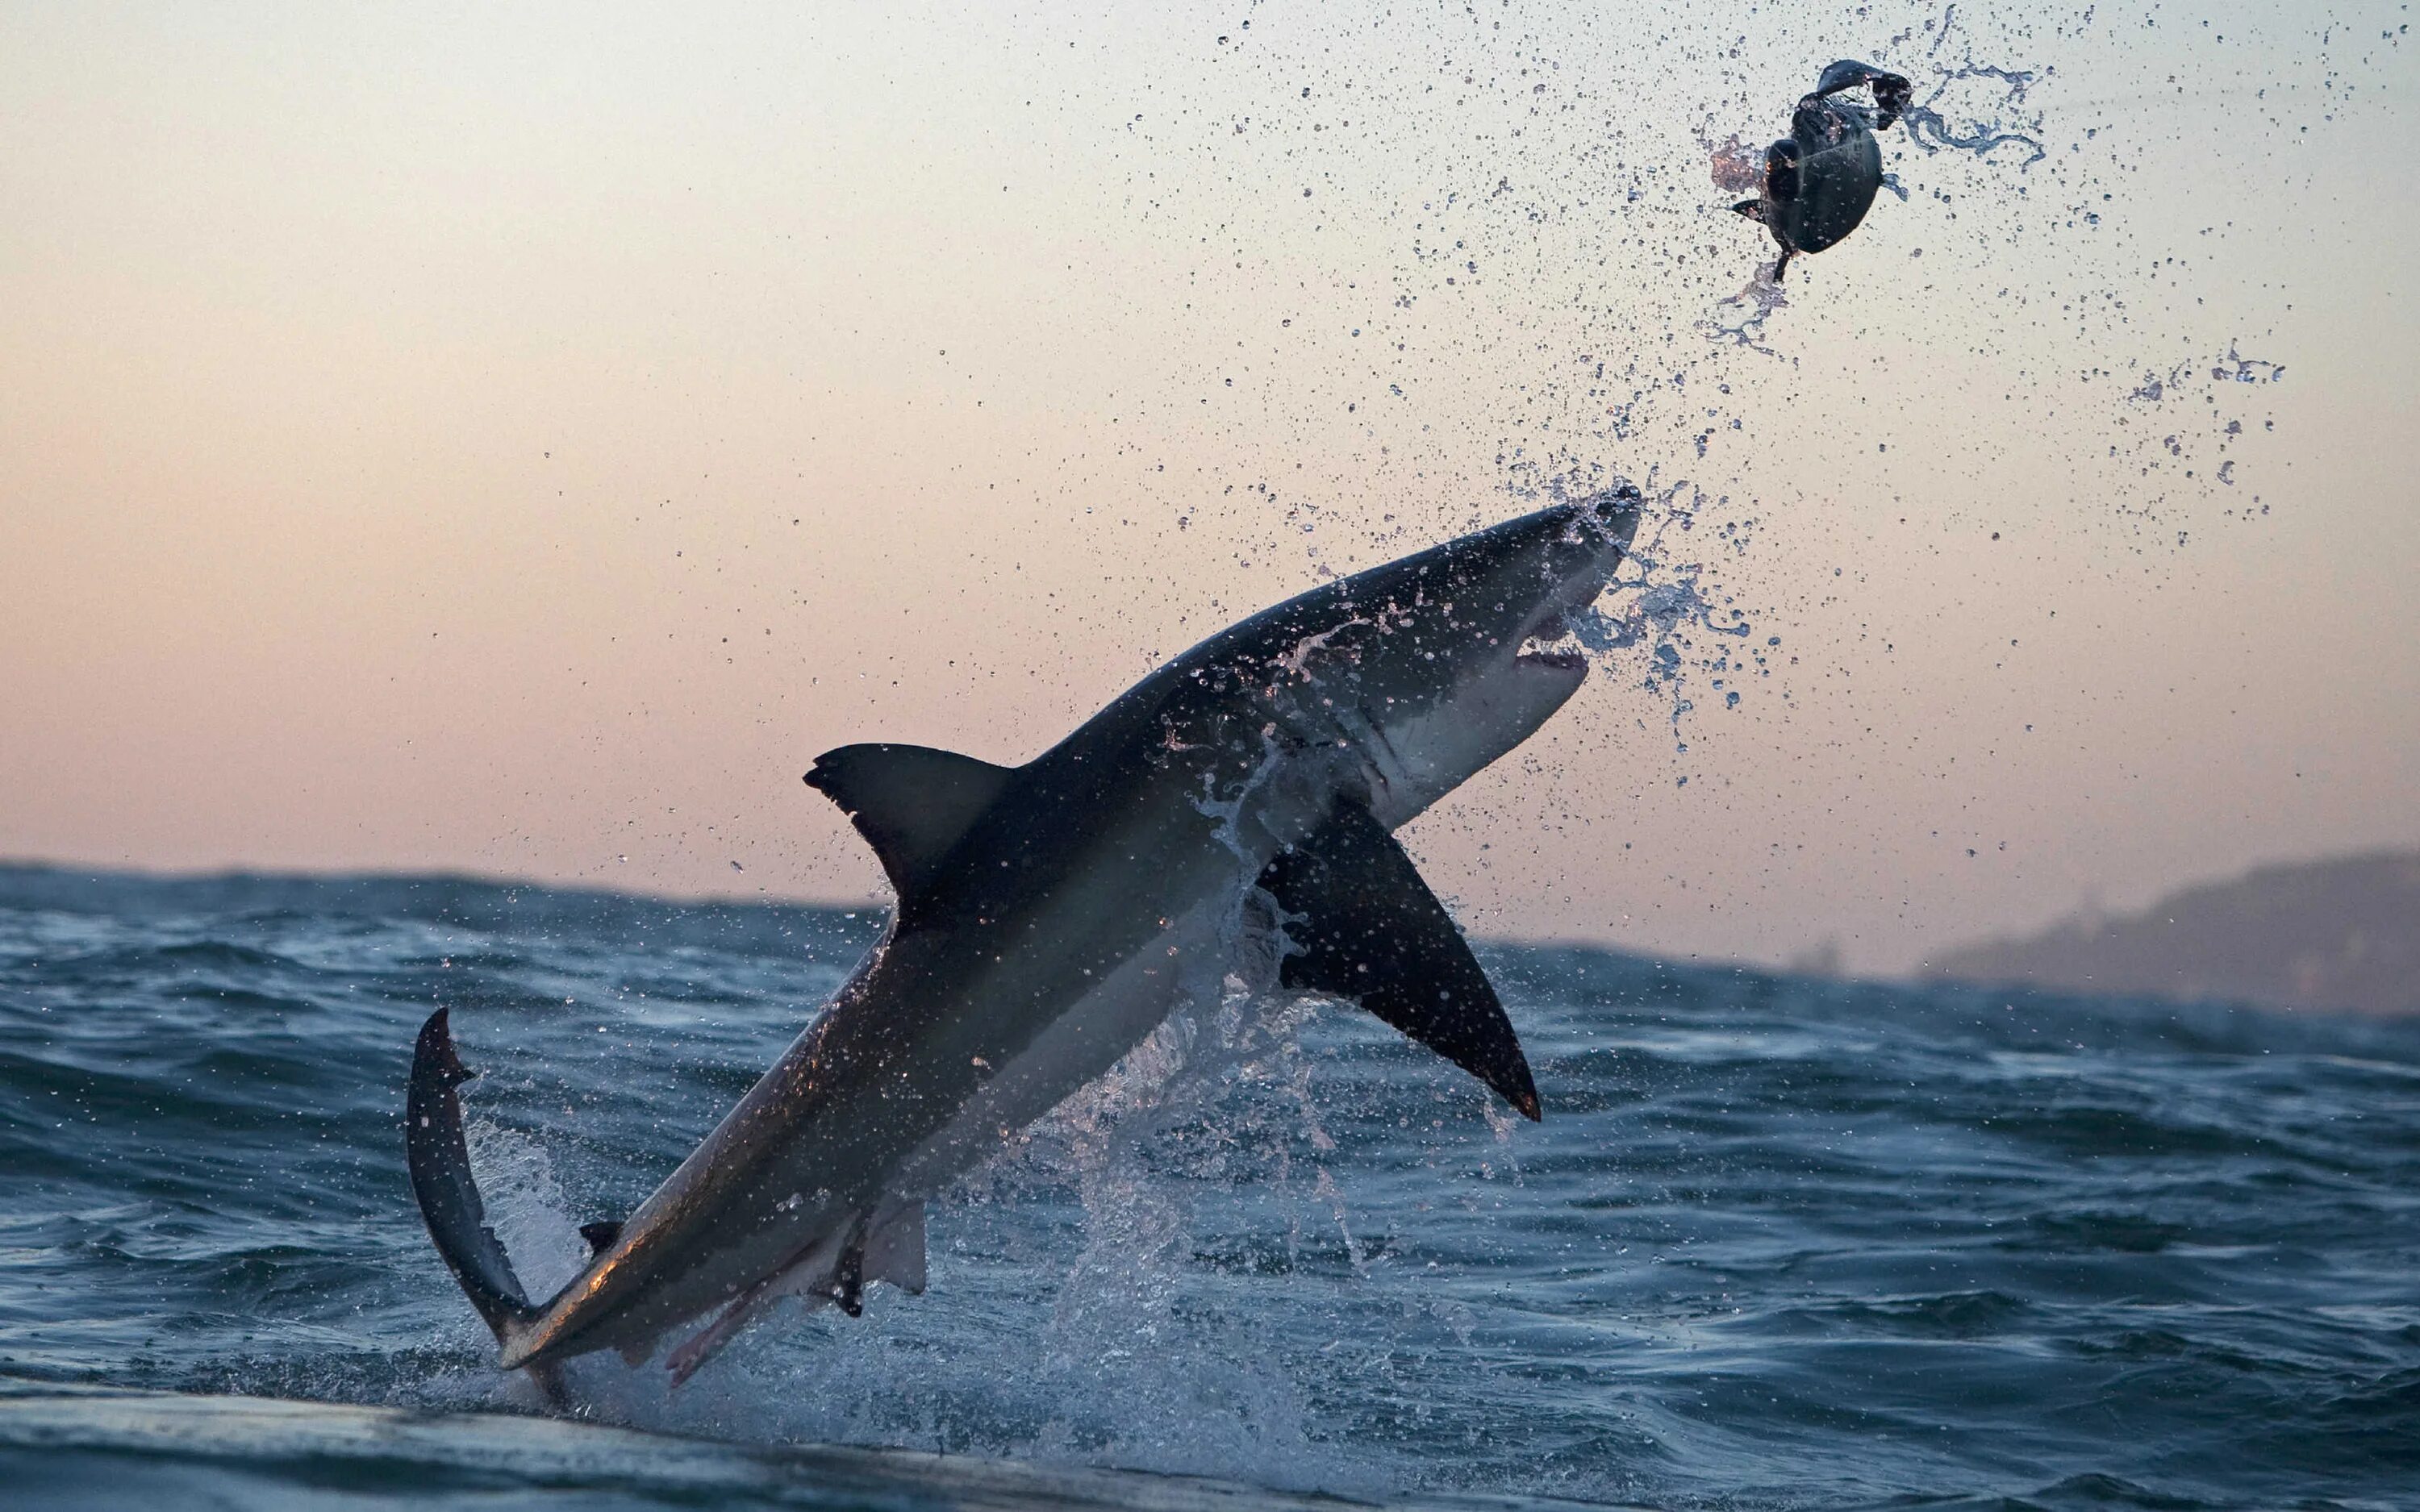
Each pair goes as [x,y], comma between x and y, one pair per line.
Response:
[519,441]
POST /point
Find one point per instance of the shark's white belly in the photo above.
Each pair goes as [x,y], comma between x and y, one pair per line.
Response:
[1186,960]
[1410,758]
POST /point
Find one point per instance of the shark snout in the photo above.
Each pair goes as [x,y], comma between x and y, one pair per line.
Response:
[1596,532]
[1610,520]
[1615,511]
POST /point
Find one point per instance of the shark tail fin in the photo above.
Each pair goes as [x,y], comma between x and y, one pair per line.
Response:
[440,1162]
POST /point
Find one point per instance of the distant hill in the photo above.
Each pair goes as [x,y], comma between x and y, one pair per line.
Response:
[2343,933]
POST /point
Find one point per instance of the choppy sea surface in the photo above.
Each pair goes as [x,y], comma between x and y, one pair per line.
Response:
[1779,1242]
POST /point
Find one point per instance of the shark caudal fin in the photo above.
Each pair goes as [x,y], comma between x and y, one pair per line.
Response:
[440,1179]
[1365,927]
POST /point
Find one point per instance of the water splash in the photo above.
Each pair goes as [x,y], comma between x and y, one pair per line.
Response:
[2158,386]
[2179,426]
[525,1205]
[1757,298]
[1644,626]
[1219,1095]
[2004,124]
[1737,165]
[1932,131]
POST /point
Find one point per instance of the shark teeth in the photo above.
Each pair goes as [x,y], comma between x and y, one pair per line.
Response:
[1550,643]
[1558,658]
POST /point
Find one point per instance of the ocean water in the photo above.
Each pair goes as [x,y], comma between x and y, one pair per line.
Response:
[1779,1242]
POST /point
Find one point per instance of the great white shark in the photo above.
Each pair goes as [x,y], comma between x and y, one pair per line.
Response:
[1051,916]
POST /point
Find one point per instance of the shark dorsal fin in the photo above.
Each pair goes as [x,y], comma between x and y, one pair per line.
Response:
[911,803]
[1364,926]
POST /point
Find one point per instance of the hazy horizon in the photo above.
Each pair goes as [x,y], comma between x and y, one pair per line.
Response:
[2092,911]
[517,443]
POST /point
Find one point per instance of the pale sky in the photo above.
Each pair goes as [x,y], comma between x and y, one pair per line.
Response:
[518,440]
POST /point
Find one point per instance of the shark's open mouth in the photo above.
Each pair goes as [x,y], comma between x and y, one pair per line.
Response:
[1550,643]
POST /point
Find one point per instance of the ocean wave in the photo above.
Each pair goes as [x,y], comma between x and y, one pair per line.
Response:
[1779,1241]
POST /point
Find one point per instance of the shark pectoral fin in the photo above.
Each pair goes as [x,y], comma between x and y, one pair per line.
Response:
[894,1248]
[708,1341]
[440,1163]
[807,1276]
[600,1235]
[911,803]
[832,1272]
[1364,926]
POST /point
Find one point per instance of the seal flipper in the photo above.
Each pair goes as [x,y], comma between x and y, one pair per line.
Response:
[1365,927]
[439,1164]
[1891,91]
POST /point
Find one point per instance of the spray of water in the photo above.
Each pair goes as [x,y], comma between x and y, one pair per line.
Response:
[1116,1361]
[1739,318]
[525,1205]
[1666,623]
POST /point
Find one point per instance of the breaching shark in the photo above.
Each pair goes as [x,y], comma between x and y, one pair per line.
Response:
[1051,916]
